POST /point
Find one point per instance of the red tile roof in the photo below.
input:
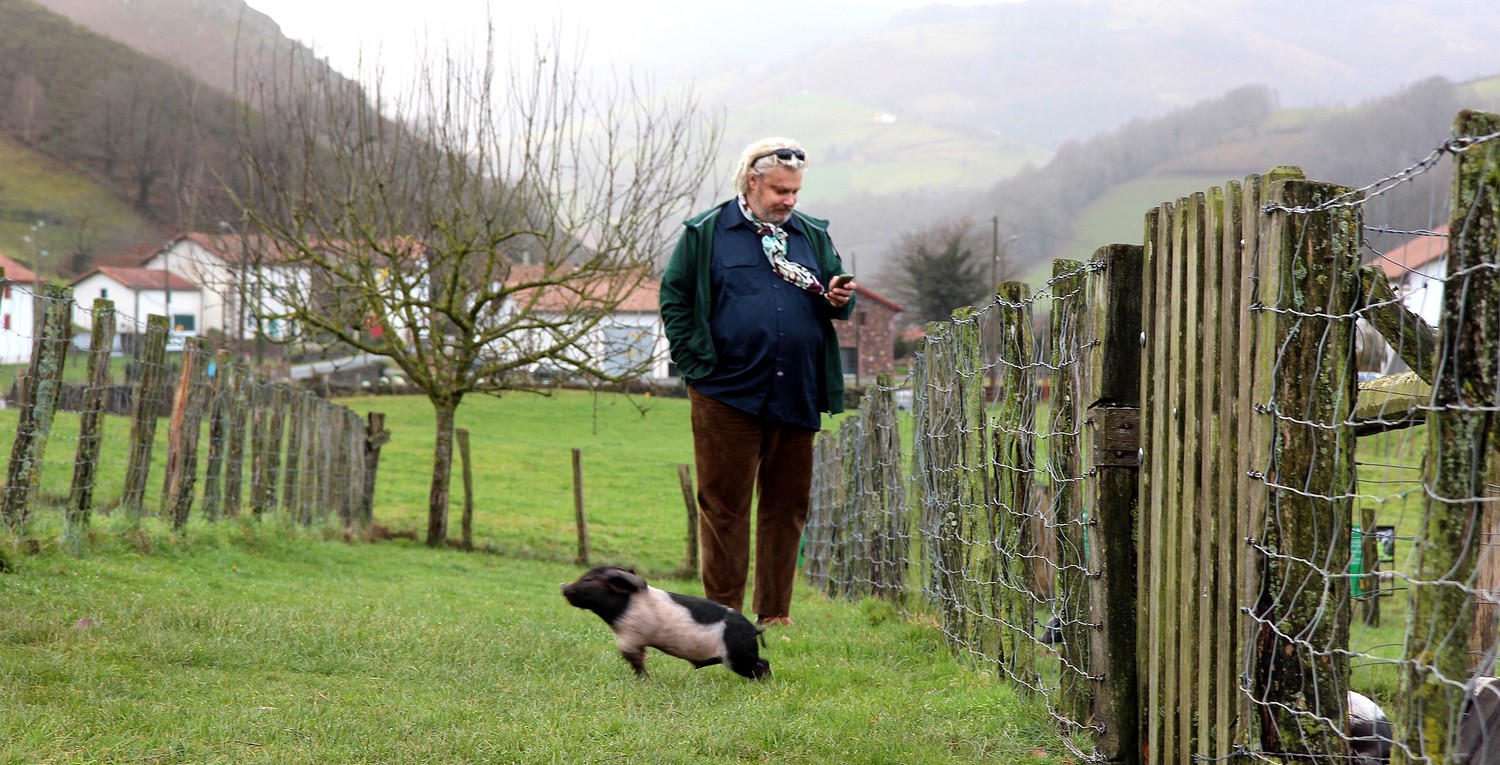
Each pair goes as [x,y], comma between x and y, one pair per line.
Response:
[17,273]
[559,292]
[143,278]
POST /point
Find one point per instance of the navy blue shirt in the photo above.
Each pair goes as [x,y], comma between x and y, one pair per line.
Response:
[768,334]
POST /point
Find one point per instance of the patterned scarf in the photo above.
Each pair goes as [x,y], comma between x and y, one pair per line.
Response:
[773,240]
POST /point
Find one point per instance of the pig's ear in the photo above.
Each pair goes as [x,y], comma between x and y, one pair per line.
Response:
[625,580]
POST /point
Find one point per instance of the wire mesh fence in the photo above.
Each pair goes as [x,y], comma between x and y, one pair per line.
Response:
[129,420]
[1223,495]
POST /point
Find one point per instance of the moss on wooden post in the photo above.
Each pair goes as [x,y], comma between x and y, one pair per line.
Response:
[91,423]
[1014,460]
[1304,666]
[1460,432]
[970,462]
[43,383]
[1069,307]
[148,391]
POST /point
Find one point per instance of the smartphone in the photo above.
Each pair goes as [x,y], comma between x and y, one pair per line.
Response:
[840,280]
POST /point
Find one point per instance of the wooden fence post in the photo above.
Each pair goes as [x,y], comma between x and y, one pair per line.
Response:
[690,502]
[1014,459]
[43,380]
[1460,433]
[467,522]
[376,436]
[153,361]
[1070,595]
[579,516]
[294,404]
[241,391]
[222,392]
[276,411]
[1309,287]
[1111,391]
[307,482]
[182,452]
[91,423]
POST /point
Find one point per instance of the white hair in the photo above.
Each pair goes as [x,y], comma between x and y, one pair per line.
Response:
[762,154]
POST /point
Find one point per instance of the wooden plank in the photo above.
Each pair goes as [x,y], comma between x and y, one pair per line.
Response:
[91,424]
[49,352]
[1230,545]
[1159,408]
[1460,429]
[1414,341]
[1206,501]
[1113,385]
[153,363]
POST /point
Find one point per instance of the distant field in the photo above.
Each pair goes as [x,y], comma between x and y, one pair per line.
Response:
[853,151]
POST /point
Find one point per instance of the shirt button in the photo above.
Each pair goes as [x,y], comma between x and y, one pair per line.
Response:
[780,373]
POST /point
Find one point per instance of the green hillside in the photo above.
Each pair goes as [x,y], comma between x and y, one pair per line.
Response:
[77,211]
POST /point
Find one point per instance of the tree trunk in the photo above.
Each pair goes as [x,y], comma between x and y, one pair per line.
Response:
[442,469]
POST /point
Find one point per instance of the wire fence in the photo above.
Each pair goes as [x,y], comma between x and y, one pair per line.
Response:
[164,429]
[1222,495]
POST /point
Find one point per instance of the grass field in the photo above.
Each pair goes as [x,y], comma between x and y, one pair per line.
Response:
[248,642]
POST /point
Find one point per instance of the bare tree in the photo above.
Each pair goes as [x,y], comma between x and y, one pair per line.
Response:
[469,227]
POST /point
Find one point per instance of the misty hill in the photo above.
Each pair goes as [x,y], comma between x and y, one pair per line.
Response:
[1046,73]
[85,117]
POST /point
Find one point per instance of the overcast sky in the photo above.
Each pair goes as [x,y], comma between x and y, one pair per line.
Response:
[650,36]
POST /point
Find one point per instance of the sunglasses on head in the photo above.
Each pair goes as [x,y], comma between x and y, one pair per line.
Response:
[785,155]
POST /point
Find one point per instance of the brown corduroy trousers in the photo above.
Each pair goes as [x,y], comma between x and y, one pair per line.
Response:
[738,455]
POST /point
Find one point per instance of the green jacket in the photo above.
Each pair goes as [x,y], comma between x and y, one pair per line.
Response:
[686,302]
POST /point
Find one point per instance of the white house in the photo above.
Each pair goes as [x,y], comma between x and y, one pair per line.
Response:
[629,338]
[241,277]
[17,312]
[1416,271]
[139,292]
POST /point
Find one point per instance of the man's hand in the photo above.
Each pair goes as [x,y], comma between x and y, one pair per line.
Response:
[840,290]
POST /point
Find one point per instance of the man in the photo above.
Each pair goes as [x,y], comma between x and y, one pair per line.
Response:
[748,300]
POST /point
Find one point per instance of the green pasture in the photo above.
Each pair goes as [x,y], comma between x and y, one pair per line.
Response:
[259,642]
[37,188]
[249,641]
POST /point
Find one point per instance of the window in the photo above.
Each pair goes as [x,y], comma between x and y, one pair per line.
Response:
[184,322]
[851,360]
[104,293]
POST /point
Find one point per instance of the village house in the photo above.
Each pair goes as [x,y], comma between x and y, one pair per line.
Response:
[17,311]
[868,339]
[138,293]
[240,278]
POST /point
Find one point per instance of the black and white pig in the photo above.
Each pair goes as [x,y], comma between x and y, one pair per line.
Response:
[699,631]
